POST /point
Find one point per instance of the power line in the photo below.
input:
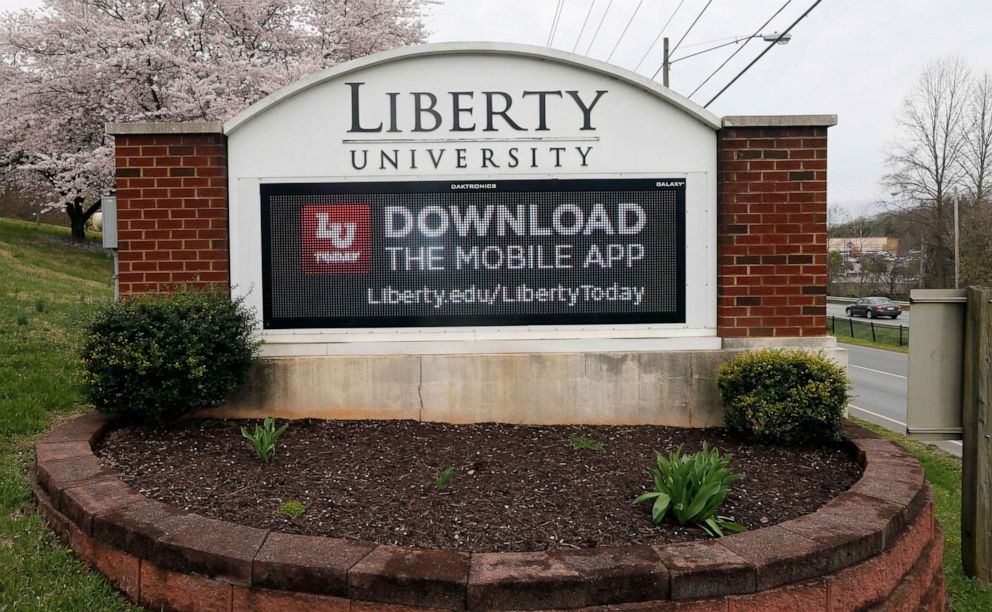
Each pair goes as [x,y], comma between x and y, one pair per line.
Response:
[554,22]
[658,37]
[741,48]
[735,41]
[722,39]
[584,22]
[622,34]
[762,54]
[691,26]
[602,18]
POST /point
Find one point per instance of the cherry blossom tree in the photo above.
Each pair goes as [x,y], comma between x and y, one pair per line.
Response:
[74,65]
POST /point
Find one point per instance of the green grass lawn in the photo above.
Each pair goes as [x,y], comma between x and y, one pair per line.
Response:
[944,473]
[47,289]
[883,336]
[868,343]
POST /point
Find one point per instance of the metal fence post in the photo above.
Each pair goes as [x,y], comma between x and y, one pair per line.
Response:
[851,321]
[871,324]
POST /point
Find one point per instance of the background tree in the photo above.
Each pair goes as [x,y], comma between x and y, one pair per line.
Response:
[927,157]
[976,247]
[837,269]
[977,158]
[74,65]
[943,155]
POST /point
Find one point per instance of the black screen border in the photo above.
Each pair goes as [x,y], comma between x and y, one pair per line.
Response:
[537,185]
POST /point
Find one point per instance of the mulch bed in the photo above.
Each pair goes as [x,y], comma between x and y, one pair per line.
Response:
[515,488]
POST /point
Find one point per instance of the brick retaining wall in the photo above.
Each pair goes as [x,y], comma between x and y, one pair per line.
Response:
[876,545]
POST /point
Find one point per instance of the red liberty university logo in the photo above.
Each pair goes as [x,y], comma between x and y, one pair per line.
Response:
[336,239]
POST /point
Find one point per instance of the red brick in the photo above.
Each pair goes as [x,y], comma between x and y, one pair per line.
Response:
[618,574]
[375,606]
[56,521]
[80,504]
[210,547]
[303,563]
[267,600]
[164,589]
[139,162]
[411,577]
[123,570]
[706,569]
[181,150]
[911,592]
[527,581]
[873,580]
[61,474]
[56,451]
[808,596]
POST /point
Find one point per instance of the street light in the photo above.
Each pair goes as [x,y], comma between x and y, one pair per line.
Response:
[774,37]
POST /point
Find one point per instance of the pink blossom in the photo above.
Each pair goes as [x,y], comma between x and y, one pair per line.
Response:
[74,65]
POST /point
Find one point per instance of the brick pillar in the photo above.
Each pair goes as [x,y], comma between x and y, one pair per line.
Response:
[172,206]
[772,226]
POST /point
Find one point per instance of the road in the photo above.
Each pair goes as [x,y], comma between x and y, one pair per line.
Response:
[837,310]
[879,394]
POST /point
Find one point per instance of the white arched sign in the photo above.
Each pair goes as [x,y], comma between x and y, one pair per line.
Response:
[458,192]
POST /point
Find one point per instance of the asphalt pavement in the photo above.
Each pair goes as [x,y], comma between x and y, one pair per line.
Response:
[879,394]
[837,310]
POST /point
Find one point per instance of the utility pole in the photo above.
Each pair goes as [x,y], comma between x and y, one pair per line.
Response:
[665,64]
[957,243]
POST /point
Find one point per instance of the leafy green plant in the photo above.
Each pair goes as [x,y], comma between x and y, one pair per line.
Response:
[159,357]
[444,478]
[692,487]
[792,397]
[40,305]
[22,320]
[585,444]
[292,509]
[264,439]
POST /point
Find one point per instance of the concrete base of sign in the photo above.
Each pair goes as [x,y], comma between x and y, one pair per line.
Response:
[674,387]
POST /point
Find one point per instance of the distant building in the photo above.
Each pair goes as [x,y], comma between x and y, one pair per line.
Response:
[856,246]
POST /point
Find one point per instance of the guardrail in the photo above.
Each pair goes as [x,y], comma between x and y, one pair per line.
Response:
[893,335]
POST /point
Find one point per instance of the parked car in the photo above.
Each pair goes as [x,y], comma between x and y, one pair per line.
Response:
[873,307]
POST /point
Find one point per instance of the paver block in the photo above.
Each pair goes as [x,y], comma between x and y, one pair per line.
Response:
[305,563]
[425,578]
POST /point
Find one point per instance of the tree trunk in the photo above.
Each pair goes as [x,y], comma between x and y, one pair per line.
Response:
[78,216]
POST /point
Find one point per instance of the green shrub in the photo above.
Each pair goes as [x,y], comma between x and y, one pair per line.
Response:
[693,487]
[792,397]
[265,438]
[156,358]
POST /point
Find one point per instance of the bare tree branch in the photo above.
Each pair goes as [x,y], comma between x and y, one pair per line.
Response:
[927,162]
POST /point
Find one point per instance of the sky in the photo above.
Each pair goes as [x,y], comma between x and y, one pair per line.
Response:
[856,59]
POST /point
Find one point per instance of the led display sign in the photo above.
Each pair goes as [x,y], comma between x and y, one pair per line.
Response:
[450,253]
